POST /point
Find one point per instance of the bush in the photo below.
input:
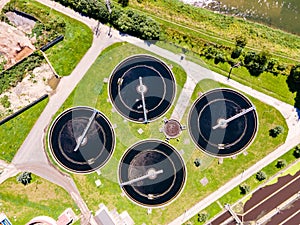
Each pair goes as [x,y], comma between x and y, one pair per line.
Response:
[261,175]
[296,152]
[10,78]
[281,163]
[244,188]
[295,73]
[5,102]
[276,131]
[24,178]
[124,3]
[256,63]
[127,21]
[197,162]
[240,41]
[236,52]
[202,217]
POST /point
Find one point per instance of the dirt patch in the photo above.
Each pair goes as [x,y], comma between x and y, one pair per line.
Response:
[24,24]
[31,88]
[14,44]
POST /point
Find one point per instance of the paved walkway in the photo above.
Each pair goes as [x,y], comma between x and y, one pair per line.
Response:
[33,144]
[31,156]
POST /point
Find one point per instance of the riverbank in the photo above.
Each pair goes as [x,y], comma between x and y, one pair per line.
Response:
[273,13]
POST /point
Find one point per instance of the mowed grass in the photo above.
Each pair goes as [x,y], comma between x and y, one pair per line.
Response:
[78,38]
[39,198]
[266,82]
[14,132]
[92,91]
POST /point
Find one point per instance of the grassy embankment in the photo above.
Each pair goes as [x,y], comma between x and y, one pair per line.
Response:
[39,198]
[126,132]
[14,132]
[192,28]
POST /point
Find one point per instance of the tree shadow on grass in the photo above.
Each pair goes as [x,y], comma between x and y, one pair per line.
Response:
[294,87]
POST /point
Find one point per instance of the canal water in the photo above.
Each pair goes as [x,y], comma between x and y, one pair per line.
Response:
[282,14]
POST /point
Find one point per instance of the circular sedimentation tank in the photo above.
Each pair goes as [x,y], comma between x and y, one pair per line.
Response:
[142,88]
[81,140]
[152,173]
[223,122]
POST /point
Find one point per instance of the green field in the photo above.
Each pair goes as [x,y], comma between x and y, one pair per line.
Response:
[14,132]
[39,198]
[78,37]
[110,193]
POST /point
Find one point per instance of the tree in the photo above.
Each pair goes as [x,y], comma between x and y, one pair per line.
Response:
[237,51]
[296,153]
[24,178]
[295,73]
[276,131]
[281,163]
[240,41]
[124,3]
[202,217]
[244,188]
[261,175]
[197,162]
[256,63]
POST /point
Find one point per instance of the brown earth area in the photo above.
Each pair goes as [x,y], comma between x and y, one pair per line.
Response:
[14,44]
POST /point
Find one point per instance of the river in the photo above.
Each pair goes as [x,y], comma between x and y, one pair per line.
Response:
[282,14]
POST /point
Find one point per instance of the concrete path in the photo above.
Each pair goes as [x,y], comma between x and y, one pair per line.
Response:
[31,156]
[33,145]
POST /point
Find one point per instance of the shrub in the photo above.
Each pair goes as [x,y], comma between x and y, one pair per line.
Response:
[281,163]
[295,73]
[240,41]
[296,152]
[5,101]
[276,131]
[202,217]
[10,78]
[244,188]
[127,21]
[236,52]
[261,175]
[256,63]
[24,178]
[197,162]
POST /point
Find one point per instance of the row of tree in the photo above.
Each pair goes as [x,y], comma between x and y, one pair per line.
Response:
[255,62]
[127,21]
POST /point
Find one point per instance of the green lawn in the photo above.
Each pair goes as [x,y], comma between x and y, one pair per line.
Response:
[78,38]
[14,132]
[39,198]
[234,195]
[91,91]
[266,82]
